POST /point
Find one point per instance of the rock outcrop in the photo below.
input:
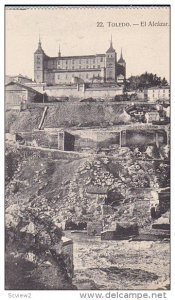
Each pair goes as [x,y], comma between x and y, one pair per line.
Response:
[35,258]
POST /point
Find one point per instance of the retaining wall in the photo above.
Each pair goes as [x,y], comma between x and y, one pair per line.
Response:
[81,92]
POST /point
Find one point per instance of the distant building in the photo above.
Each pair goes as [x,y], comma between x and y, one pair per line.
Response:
[73,69]
[152,116]
[157,93]
[17,95]
[18,78]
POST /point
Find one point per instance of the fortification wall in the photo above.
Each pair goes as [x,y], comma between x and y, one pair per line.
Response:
[82,92]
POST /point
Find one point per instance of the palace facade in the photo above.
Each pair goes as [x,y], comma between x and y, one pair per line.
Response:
[74,69]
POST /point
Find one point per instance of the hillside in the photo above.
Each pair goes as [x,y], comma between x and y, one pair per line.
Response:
[66,114]
[67,188]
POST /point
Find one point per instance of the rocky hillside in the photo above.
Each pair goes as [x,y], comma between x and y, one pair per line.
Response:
[76,189]
[31,258]
[23,121]
[66,114]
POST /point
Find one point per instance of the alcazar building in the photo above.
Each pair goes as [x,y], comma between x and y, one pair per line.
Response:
[84,68]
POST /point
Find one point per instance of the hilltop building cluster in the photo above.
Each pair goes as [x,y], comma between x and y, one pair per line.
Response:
[83,68]
[79,78]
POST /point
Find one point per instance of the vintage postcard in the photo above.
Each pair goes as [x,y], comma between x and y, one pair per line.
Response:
[87,148]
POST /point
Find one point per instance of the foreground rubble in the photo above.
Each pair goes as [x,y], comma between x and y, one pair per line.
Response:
[120,265]
[82,191]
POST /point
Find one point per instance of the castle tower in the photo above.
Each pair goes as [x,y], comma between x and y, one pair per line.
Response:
[39,64]
[121,66]
[111,63]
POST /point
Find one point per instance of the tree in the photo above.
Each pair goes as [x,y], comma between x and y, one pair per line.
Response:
[145,80]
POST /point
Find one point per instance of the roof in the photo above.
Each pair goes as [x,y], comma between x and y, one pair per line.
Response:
[121,60]
[22,86]
[76,57]
[19,75]
[111,49]
[159,87]
[39,50]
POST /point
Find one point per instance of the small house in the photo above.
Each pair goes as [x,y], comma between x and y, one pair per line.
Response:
[152,116]
[153,94]
[18,95]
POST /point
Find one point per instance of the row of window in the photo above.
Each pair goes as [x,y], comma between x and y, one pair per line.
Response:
[80,67]
[80,76]
[72,61]
[110,56]
[87,67]
[158,91]
[158,94]
[81,61]
[76,64]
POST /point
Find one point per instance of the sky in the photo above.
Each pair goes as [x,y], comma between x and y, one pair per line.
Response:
[145,48]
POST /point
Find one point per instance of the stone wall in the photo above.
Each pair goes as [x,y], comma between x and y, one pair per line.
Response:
[95,139]
[30,151]
[143,137]
[82,92]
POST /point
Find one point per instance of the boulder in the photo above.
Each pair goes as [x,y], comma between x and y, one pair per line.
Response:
[122,231]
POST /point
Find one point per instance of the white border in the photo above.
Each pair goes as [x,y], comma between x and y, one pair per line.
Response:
[75,294]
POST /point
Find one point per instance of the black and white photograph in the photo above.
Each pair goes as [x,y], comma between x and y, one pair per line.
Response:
[87,148]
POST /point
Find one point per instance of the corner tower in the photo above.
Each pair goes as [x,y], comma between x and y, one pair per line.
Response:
[39,64]
[111,63]
[121,68]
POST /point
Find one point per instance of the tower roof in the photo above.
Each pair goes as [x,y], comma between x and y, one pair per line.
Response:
[39,50]
[121,60]
[111,49]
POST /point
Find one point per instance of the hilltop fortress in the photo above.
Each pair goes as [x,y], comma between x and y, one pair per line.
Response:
[79,69]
